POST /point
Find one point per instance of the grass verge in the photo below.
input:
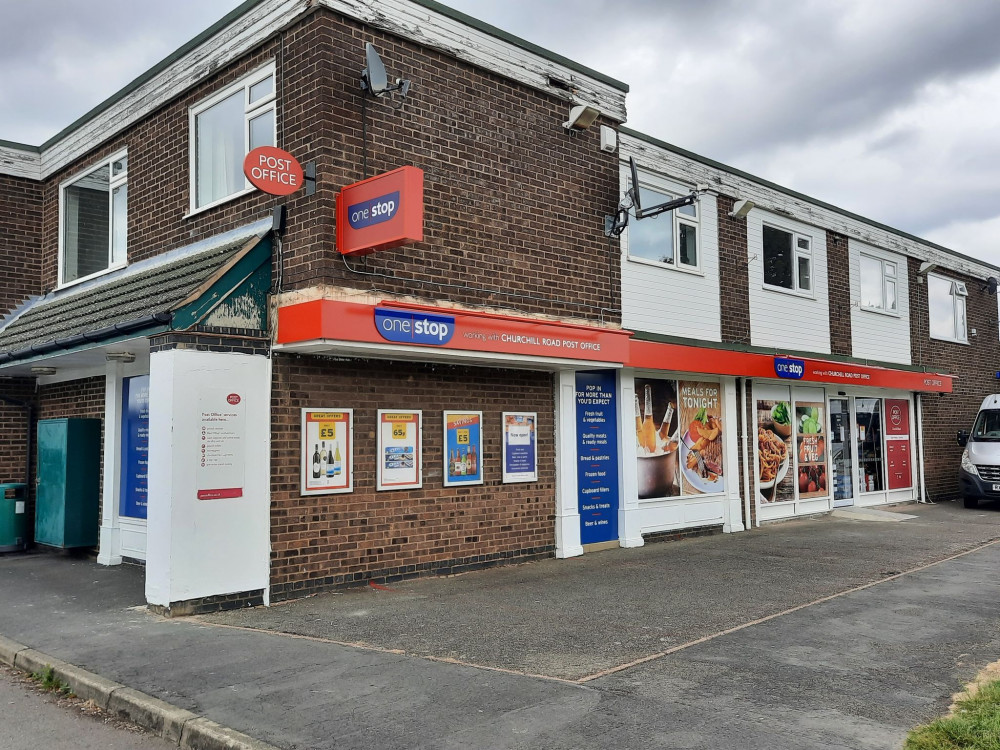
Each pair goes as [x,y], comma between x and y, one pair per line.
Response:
[973,725]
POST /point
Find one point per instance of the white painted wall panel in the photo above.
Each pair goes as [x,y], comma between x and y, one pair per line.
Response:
[671,302]
[878,335]
[783,320]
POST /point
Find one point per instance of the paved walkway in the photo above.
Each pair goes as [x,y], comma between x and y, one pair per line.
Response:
[775,638]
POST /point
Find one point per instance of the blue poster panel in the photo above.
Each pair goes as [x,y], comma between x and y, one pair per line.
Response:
[597,456]
[135,446]
[463,439]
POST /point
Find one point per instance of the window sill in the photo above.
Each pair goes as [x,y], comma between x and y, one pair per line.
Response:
[879,311]
[219,202]
[949,341]
[90,277]
[791,292]
[692,270]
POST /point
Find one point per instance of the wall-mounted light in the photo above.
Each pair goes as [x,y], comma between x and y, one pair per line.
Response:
[124,357]
[741,208]
[581,117]
[926,267]
[43,371]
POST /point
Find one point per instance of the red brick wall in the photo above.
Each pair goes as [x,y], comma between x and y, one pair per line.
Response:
[320,541]
[514,203]
[839,265]
[20,240]
[734,291]
[975,366]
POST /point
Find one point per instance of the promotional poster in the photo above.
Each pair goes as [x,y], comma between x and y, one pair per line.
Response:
[520,447]
[327,451]
[399,450]
[463,447]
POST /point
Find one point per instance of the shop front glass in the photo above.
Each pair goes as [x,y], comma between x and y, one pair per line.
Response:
[871,466]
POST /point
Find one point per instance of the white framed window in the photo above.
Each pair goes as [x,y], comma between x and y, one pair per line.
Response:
[946,308]
[670,239]
[879,284]
[787,260]
[224,129]
[93,221]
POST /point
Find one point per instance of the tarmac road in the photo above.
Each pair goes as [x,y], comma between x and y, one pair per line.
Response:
[32,720]
[821,634]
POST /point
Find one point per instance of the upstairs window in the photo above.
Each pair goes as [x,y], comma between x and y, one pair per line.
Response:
[878,284]
[787,260]
[670,239]
[225,128]
[93,225]
[946,308]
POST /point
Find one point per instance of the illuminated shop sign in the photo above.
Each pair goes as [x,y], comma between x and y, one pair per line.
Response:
[272,170]
[382,212]
[785,367]
[404,327]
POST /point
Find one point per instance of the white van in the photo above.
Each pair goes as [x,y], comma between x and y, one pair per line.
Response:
[979,476]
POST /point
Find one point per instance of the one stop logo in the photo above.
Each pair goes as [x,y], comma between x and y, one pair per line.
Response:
[272,170]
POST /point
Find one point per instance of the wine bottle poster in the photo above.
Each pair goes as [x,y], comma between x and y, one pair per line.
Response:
[463,447]
[657,438]
[327,451]
[399,450]
[520,447]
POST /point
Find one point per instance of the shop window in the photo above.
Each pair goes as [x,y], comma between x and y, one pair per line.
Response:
[679,438]
[94,221]
[670,239]
[225,128]
[878,284]
[787,260]
[946,308]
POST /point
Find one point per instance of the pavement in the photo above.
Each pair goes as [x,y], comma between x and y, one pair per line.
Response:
[831,632]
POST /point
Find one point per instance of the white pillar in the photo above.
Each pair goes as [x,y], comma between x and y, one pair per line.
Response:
[629,529]
[109,546]
[214,545]
[732,511]
[567,507]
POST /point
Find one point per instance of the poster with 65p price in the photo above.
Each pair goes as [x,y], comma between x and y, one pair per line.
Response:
[399,450]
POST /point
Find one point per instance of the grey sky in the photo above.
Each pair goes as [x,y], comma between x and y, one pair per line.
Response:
[889,109]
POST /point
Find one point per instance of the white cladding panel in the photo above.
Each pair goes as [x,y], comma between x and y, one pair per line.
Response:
[877,335]
[206,547]
[785,320]
[665,300]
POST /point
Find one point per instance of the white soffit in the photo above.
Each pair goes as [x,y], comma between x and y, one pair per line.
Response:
[400,17]
[671,164]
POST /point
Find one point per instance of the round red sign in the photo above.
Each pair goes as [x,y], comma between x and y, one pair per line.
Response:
[272,170]
[233,398]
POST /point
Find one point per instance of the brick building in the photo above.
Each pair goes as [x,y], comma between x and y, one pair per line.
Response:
[278,417]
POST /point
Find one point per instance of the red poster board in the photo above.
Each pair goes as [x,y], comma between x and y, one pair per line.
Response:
[897,416]
[897,443]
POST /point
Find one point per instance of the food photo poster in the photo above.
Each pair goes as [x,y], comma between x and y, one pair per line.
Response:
[774,445]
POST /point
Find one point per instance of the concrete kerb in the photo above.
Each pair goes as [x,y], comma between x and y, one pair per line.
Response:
[176,725]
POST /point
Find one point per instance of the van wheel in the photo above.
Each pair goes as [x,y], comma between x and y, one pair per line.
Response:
[970,502]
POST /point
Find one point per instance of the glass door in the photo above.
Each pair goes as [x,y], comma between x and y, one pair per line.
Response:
[870,457]
[841,452]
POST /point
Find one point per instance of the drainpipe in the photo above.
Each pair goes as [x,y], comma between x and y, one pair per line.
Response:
[746,453]
[920,451]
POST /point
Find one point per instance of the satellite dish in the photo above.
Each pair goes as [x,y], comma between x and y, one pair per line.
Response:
[373,77]
[635,185]
[992,283]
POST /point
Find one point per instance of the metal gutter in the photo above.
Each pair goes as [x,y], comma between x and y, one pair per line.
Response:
[90,337]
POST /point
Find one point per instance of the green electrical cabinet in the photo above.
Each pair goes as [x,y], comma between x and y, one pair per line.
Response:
[67,499]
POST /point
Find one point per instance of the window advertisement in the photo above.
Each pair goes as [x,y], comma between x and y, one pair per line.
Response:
[399,450]
[657,438]
[135,446]
[810,418]
[327,451]
[701,445]
[897,443]
[774,447]
[520,447]
[463,447]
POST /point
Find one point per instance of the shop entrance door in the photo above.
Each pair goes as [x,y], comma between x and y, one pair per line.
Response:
[841,452]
